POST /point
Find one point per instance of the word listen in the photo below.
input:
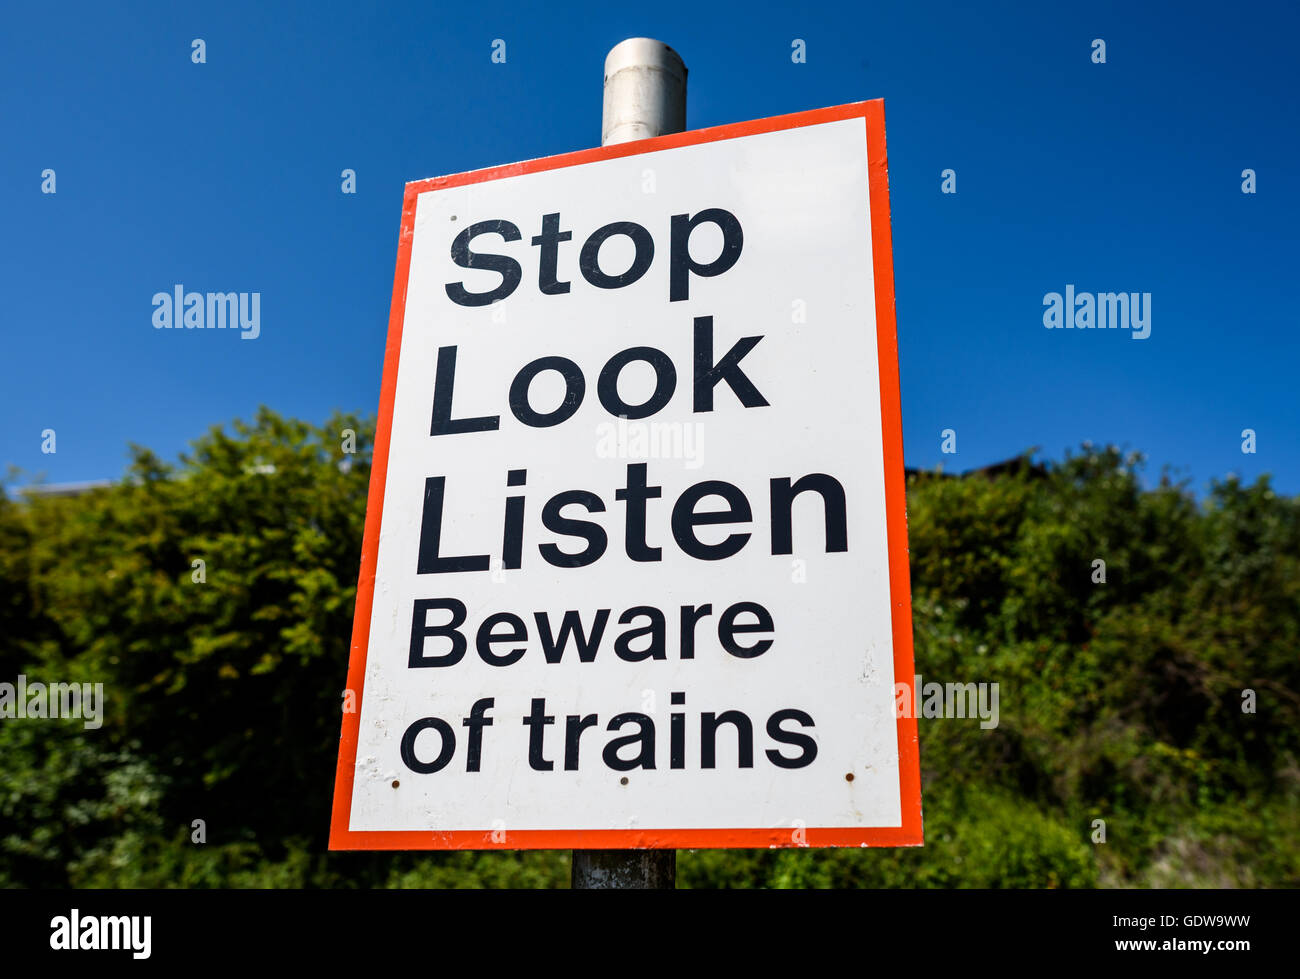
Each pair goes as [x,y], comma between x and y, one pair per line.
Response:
[636,495]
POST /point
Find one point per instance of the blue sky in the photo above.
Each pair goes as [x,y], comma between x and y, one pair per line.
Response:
[226,176]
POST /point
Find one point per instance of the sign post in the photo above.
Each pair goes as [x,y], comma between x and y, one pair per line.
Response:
[634,575]
[644,96]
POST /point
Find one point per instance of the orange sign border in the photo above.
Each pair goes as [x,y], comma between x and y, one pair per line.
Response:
[909,774]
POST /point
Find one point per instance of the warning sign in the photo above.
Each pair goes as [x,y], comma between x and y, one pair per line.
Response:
[635,559]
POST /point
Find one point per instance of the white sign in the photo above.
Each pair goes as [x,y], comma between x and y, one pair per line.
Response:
[635,564]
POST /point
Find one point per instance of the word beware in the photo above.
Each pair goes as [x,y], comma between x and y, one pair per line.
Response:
[506,627]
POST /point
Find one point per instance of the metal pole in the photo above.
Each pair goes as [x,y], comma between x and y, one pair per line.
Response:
[618,870]
[645,96]
[645,91]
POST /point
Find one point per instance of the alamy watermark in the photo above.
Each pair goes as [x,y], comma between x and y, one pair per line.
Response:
[947,700]
[651,440]
[1100,311]
[102,932]
[22,700]
[179,310]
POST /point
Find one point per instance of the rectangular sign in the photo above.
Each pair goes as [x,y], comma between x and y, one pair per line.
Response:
[635,559]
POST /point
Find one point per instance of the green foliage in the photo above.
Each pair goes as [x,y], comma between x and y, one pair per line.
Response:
[974,838]
[1119,701]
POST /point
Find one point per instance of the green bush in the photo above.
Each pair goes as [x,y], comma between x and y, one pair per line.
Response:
[1120,702]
